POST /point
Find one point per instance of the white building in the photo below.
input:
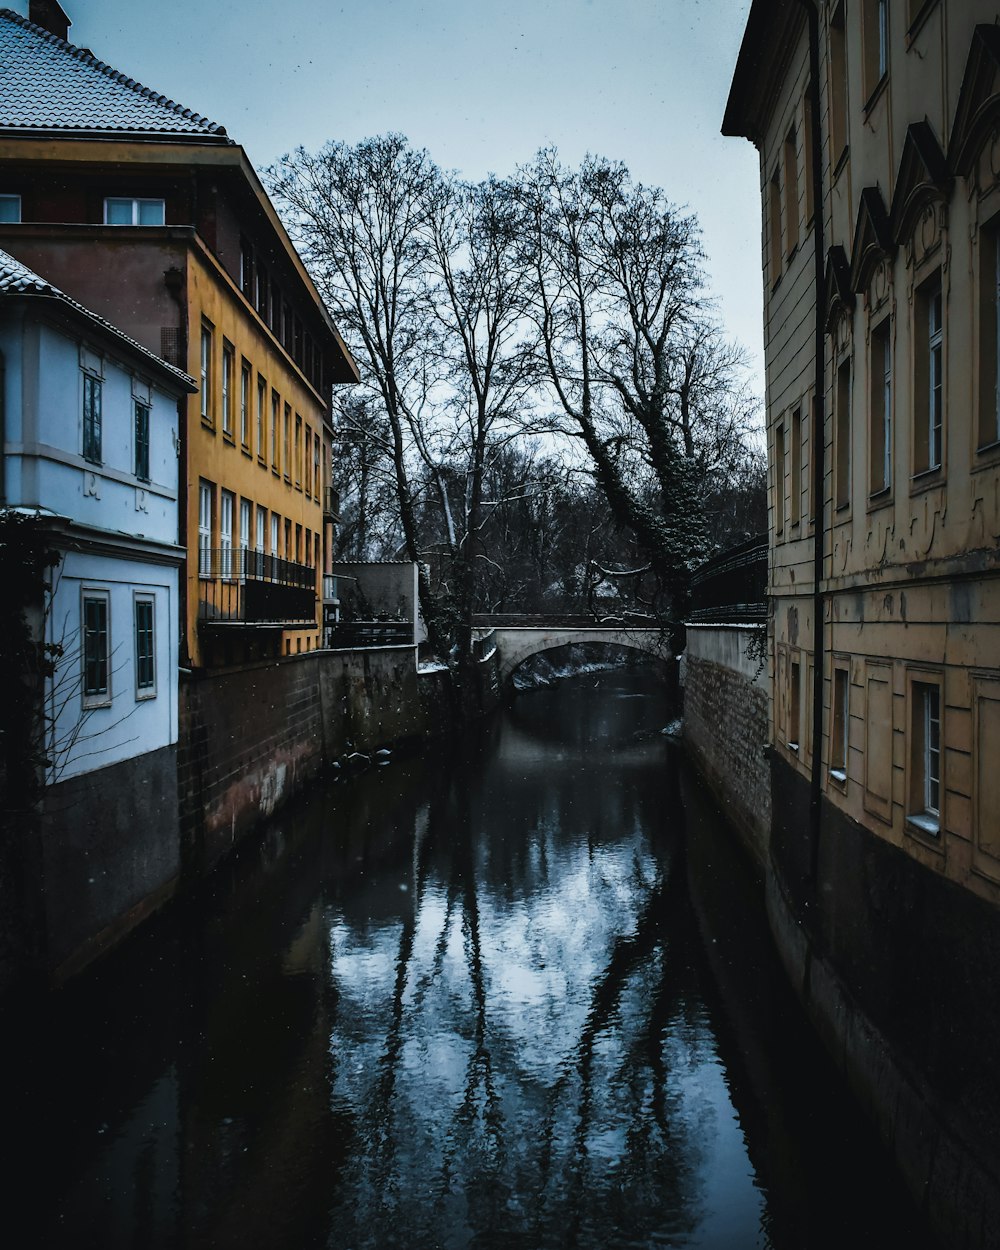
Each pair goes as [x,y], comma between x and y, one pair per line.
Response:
[90,445]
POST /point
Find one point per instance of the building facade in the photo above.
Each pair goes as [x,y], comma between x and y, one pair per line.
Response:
[90,436]
[878,128]
[154,217]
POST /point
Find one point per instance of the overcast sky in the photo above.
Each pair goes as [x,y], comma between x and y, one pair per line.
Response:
[480,85]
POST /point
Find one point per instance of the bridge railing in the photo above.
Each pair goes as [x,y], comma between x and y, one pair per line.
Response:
[732,586]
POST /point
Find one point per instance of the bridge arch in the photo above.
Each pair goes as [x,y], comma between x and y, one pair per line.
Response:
[517,643]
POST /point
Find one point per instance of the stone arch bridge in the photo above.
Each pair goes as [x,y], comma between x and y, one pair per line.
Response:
[518,638]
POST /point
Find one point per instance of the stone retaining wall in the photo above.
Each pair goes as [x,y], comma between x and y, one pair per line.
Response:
[726,726]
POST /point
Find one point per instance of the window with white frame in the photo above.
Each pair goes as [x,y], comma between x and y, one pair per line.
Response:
[989,336]
[880,409]
[95,613]
[92,393]
[227,501]
[275,533]
[206,494]
[144,611]
[246,514]
[924,806]
[245,404]
[928,406]
[134,211]
[206,373]
[840,717]
[10,208]
[142,441]
[228,358]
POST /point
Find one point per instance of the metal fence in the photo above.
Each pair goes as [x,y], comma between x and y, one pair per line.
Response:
[732,586]
[239,586]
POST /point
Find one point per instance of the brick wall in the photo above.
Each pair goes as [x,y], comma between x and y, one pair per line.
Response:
[253,736]
[726,727]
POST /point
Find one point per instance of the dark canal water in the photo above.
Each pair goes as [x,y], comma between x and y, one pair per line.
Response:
[525,999]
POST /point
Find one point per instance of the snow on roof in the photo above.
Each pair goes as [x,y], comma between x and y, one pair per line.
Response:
[18,279]
[49,84]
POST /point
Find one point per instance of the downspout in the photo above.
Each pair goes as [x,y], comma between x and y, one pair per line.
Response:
[818,434]
[3,431]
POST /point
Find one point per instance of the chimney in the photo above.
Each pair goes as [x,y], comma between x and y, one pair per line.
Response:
[50,16]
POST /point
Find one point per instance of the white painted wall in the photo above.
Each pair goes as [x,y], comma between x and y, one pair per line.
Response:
[126,540]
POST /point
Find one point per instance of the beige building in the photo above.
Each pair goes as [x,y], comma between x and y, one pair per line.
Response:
[878,128]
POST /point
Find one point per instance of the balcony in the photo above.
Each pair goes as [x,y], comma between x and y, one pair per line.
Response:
[250,589]
[331,504]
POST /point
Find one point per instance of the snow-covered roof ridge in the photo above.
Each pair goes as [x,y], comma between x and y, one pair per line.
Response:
[17,279]
[49,84]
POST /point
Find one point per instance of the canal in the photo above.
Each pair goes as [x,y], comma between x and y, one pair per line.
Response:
[520,998]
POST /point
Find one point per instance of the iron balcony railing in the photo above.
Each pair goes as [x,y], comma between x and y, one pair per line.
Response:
[732,586]
[351,634]
[238,586]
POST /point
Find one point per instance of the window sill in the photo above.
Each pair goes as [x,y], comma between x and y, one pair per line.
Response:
[207,424]
[925,823]
[144,696]
[926,479]
[246,451]
[793,746]
[842,160]
[880,499]
[839,776]
[875,95]
[228,438]
[92,703]
[918,21]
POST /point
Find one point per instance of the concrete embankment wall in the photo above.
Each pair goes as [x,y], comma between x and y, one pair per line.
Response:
[894,963]
[726,725]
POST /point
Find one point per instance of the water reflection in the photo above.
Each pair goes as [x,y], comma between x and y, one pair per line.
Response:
[451,1006]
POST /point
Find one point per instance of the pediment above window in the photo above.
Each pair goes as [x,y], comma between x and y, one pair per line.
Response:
[922,180]
[978,112]
[872,239]
[839,298]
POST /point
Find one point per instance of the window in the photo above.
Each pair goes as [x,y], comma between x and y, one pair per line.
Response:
[275,417]
[842,436]
[298,544]
[315,469]
[779,479]
[206,373]
[206,494]
[795,511]
[261,402]
[261,527]
[96,658]
[876,43]
[287,443]
[308,461]
[298,451]
[228,358]
[924,806]
[245,404]
[928,396]
[227,502]
[880,409]
[123,211]
[275,533]
[289,549]
[10,208]
[92,418]
[246,269]
[791,193]
[838,86]
[145,650]
[989,336]
[141,441]
[263,291]
[841,721]
[794,704]
[774,226]
[246,515]
[807,151]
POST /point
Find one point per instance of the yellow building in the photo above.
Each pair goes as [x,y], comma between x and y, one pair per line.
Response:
[154,217]
[878,128]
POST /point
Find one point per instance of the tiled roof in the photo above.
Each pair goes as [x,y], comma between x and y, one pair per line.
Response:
[18,279]
[48,84]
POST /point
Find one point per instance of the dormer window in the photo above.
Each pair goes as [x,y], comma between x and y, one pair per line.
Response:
[122,211]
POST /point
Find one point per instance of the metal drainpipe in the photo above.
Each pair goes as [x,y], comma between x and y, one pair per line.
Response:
[3,430]
[818,434]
